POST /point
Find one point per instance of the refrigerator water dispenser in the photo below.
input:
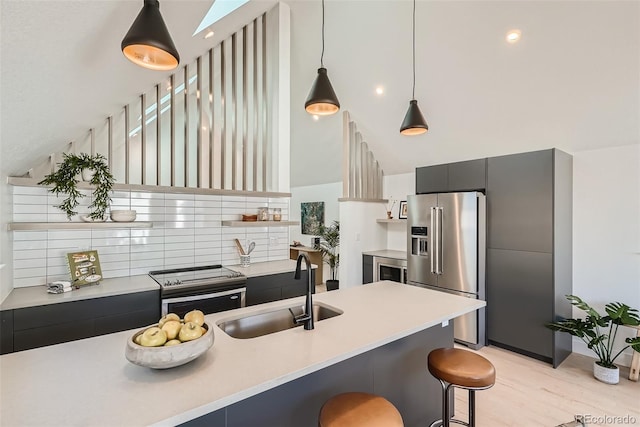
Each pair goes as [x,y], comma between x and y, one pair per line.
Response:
[419,241]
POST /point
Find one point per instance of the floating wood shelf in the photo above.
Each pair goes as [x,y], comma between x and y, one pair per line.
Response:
[391,221]
[30,226]
[259,223]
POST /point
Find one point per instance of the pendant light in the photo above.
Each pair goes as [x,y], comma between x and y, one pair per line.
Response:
[414,122]
[322,100]
[148,42]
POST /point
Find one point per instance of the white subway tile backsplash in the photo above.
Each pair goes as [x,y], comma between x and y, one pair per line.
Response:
[21,273]
[186,231]
[29,199]
[29,190]
[30,254]
[30,217]
[29,281]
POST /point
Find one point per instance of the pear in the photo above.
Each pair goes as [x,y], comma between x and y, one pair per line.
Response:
[169,316]
[195,316]
[153,337]
[172,342]
[190,331]
[172,329]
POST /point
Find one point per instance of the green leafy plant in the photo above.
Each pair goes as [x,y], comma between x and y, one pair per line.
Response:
[63,181]
[329,243]
[599,332]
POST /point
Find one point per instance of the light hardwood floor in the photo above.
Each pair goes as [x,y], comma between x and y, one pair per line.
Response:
[531,393]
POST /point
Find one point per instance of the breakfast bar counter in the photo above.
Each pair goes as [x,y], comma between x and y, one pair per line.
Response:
[89,382]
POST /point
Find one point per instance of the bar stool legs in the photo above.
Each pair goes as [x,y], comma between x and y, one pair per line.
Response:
[463,369]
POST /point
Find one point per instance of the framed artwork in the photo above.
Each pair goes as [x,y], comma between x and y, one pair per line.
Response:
[311,216]
[84,268]
[402,213]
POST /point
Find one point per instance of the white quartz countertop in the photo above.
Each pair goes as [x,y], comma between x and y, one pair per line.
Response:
[89,382]
[266,268]
[37,295]
[388,253]
[33,296]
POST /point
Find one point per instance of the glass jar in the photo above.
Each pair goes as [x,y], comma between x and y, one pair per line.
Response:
[263,214]
[277,214]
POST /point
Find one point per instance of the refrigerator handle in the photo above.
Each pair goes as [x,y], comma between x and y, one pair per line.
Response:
[432,240]
[438,211]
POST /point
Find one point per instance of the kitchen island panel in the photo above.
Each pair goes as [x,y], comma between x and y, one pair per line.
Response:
[396,371]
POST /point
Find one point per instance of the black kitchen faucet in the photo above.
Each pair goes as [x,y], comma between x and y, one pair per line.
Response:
[307,316]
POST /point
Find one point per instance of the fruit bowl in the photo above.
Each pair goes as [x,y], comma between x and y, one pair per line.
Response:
[168,357]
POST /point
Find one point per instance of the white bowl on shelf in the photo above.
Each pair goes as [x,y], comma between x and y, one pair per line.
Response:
[123,216]
[168,357]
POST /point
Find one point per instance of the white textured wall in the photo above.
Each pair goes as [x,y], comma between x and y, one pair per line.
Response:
[606,229]
[359,233]
[186,231]
[327,193]
[398,187]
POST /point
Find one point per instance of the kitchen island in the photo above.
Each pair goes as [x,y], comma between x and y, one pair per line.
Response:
[378,344]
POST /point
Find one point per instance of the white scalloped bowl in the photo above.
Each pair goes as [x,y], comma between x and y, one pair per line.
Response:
[123,216]
[168,357]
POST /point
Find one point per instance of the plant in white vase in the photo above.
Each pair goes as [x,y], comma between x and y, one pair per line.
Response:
[599,333]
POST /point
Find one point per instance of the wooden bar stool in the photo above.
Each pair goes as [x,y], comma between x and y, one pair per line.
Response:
[359,410]
[454,367]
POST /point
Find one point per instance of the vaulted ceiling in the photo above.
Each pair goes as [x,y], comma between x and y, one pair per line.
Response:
[572,82]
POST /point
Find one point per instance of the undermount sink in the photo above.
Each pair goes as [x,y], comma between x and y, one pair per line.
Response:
[257,325]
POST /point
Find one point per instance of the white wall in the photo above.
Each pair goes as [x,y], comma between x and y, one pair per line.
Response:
[606,230]
[327,193]
[398,187]
[6,247]
[359,232]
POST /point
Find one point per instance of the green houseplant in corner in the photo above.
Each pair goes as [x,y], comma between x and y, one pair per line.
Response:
[63,181]
[329,243]
[599,333]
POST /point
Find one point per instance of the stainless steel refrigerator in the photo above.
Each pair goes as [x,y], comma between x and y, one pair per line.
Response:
[446,249]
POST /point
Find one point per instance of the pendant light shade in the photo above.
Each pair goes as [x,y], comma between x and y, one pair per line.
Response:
[322,100]
[414,122]
[148,42]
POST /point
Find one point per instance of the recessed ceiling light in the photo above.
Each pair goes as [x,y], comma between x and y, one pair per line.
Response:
[316,117]
[379,90]
[208,34]
[513,36]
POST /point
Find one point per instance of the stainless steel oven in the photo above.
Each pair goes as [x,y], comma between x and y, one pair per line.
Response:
[389,269]
[210,289]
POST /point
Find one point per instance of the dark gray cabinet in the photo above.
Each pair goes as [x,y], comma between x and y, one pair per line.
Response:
[520,202]
[367,269]
[452,177]
[529,257]
[6,331]
[274,287]
[43,325]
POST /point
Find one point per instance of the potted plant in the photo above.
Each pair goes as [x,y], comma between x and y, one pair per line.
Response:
[329,242]
[63,181]
[599,333]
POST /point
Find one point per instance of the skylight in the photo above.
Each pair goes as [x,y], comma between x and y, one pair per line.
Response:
[219,9]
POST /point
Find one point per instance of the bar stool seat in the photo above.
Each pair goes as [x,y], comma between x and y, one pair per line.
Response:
[459,368]
[356,409]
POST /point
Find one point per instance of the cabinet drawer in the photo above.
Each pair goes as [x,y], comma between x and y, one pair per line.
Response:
[53,314]
[53,334]
[126,321]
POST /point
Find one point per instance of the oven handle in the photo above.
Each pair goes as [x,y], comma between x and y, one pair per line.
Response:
[199,297]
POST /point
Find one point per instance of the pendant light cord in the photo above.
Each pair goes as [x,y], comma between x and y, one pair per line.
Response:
[322,55]
[413,92]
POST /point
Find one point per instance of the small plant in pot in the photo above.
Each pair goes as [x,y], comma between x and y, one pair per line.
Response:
[329,243]
[64,181]
[599,333]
